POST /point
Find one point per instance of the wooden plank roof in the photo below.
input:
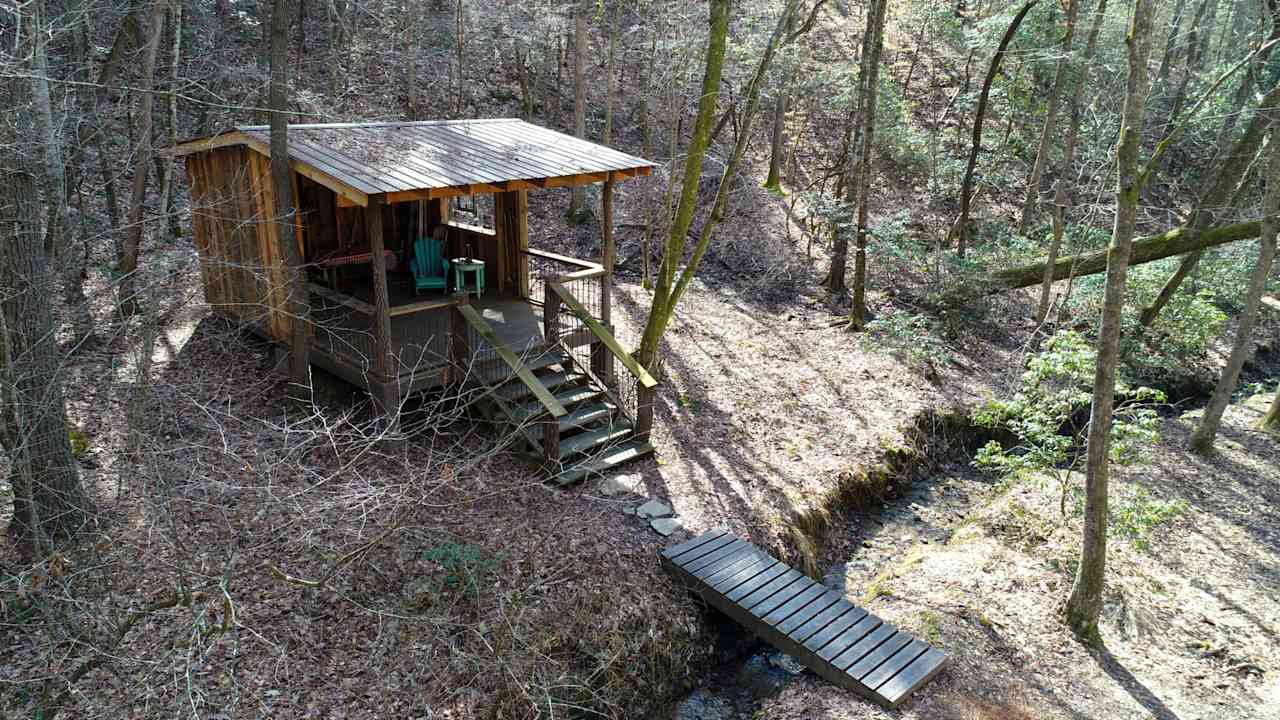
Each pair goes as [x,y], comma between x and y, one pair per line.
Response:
[440,158]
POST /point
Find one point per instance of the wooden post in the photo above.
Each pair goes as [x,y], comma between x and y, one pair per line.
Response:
[601,359]
[644,411]
[386,390]
[550,314]
[608,251]
[459,341]
[551,439]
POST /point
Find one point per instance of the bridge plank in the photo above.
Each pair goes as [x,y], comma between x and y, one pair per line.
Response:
[819,627]
[676,551]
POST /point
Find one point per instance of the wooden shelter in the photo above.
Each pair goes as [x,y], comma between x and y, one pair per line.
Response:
[538,338]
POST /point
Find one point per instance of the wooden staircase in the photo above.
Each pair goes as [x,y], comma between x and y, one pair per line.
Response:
[562,414]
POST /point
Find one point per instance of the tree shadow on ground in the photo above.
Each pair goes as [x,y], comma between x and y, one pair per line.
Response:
[1116,670]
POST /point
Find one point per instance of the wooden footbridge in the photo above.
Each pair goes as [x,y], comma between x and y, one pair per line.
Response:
[841,642]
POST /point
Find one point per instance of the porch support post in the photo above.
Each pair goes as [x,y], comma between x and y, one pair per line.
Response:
[459,342]
[601,358]
[550,314]
[386,391]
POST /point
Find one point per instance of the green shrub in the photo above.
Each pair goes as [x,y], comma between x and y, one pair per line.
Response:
[1048,417]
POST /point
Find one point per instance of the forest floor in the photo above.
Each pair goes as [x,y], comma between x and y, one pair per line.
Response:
[358,581]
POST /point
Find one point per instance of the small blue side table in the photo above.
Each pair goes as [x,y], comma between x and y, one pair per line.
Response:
[461,266]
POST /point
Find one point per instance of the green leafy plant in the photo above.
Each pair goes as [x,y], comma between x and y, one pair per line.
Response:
[914,337]
[1047,418]
[464,567]
[1137,514]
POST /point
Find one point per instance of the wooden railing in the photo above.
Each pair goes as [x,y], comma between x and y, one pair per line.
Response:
[554,409]
[344,327]
[634,398]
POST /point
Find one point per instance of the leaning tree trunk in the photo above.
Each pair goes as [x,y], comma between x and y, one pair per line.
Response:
[1271,421]
[282,190]
[870,92]
[1203,437]
[578,197]
[961,228]
[49,503]
[1085,602]
[126,291]
[1231,171]
[1050,120]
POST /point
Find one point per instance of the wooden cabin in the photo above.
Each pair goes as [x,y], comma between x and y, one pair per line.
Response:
[537,338]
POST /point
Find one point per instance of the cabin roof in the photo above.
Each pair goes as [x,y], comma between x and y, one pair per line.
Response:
[437,158]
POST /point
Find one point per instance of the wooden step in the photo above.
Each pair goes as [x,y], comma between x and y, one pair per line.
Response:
[816,625]
[586,441]
[568,397]
[584,415]
[599,465]
[497,372]
[513,389]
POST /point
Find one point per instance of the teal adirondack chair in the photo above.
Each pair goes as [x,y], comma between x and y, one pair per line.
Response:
[430,267]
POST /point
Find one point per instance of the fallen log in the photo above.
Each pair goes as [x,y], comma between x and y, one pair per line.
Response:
[1148,249]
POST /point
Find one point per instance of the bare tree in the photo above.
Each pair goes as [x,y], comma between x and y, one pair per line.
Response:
[578,196]
[132,242]
[870,92]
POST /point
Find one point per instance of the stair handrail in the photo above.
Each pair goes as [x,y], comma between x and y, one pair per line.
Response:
[605,337]
[549,402]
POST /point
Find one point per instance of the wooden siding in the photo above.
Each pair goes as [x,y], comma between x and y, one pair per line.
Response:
[240,260]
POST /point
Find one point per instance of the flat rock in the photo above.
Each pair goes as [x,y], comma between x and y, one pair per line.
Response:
[653,509]
[665,526]
[619,485]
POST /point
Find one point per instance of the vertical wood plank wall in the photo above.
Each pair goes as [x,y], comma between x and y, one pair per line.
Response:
[511,224]
[232,219]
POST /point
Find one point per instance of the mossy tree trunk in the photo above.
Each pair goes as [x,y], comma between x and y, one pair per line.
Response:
[670,288]
[1203,437]
[1085,602]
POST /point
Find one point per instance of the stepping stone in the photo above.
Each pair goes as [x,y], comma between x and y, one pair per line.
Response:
[619,485]
[653,509]
[665,526]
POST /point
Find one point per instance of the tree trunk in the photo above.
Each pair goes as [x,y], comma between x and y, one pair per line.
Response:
[411,58]
[847,183]
[961,228]
[1271,421]
[777,134]
[1175,242]
[459,48]
[1062,196]
[611,81]
[578,198]
[661,309]
[49,503]
[870,92]
[166,182]
[1085,602]
[1231,171]
[1050,120]
[282,192]
[1171,44]
[1205,433]
[126,290]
